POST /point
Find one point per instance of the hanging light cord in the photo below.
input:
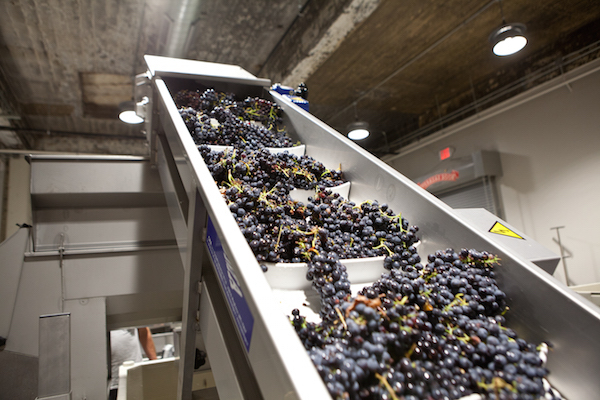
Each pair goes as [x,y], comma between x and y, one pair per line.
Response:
[502,12]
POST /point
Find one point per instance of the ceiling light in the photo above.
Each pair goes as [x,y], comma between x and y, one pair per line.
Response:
[358,130]
[127,113]
[508,39]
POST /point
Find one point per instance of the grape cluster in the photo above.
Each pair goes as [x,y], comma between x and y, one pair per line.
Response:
[256,186]
[262,168]
[432,331]
[217,118]
[427,329]
[202,100]
[279,229]
[330,279]
[362,230]
[261,110]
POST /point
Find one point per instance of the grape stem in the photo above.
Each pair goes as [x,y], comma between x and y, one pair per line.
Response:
[497,385]
[382,244]
[385,383]
[458,300]
[339,313]
[279,237]
[410,351]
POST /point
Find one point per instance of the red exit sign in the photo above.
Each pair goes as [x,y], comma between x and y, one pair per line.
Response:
[446,153]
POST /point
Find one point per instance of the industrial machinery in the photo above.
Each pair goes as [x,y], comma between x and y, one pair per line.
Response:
[178,255]
[100,255]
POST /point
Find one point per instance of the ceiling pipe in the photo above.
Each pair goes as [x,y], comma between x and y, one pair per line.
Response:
[182,28]
[18,152]
[46,132]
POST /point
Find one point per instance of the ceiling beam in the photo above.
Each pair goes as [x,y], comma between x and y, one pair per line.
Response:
[308,29]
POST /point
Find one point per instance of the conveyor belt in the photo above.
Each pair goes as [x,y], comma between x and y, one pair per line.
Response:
[264,353]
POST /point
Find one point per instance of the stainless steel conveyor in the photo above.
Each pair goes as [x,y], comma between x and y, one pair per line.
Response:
[253,350]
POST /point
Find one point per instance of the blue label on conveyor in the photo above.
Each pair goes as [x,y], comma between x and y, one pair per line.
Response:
[233,292]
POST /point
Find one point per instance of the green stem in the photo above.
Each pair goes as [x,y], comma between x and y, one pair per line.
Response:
[385,383]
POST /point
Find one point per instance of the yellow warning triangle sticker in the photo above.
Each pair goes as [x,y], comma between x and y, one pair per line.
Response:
[503,230]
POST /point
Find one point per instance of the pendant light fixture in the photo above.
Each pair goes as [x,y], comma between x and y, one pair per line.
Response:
[509,38]
[357,130]
[127,113]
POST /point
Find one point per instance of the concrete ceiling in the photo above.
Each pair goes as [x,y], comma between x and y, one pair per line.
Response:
[406,67]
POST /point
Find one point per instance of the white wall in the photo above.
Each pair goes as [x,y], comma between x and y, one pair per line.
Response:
[549,141]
